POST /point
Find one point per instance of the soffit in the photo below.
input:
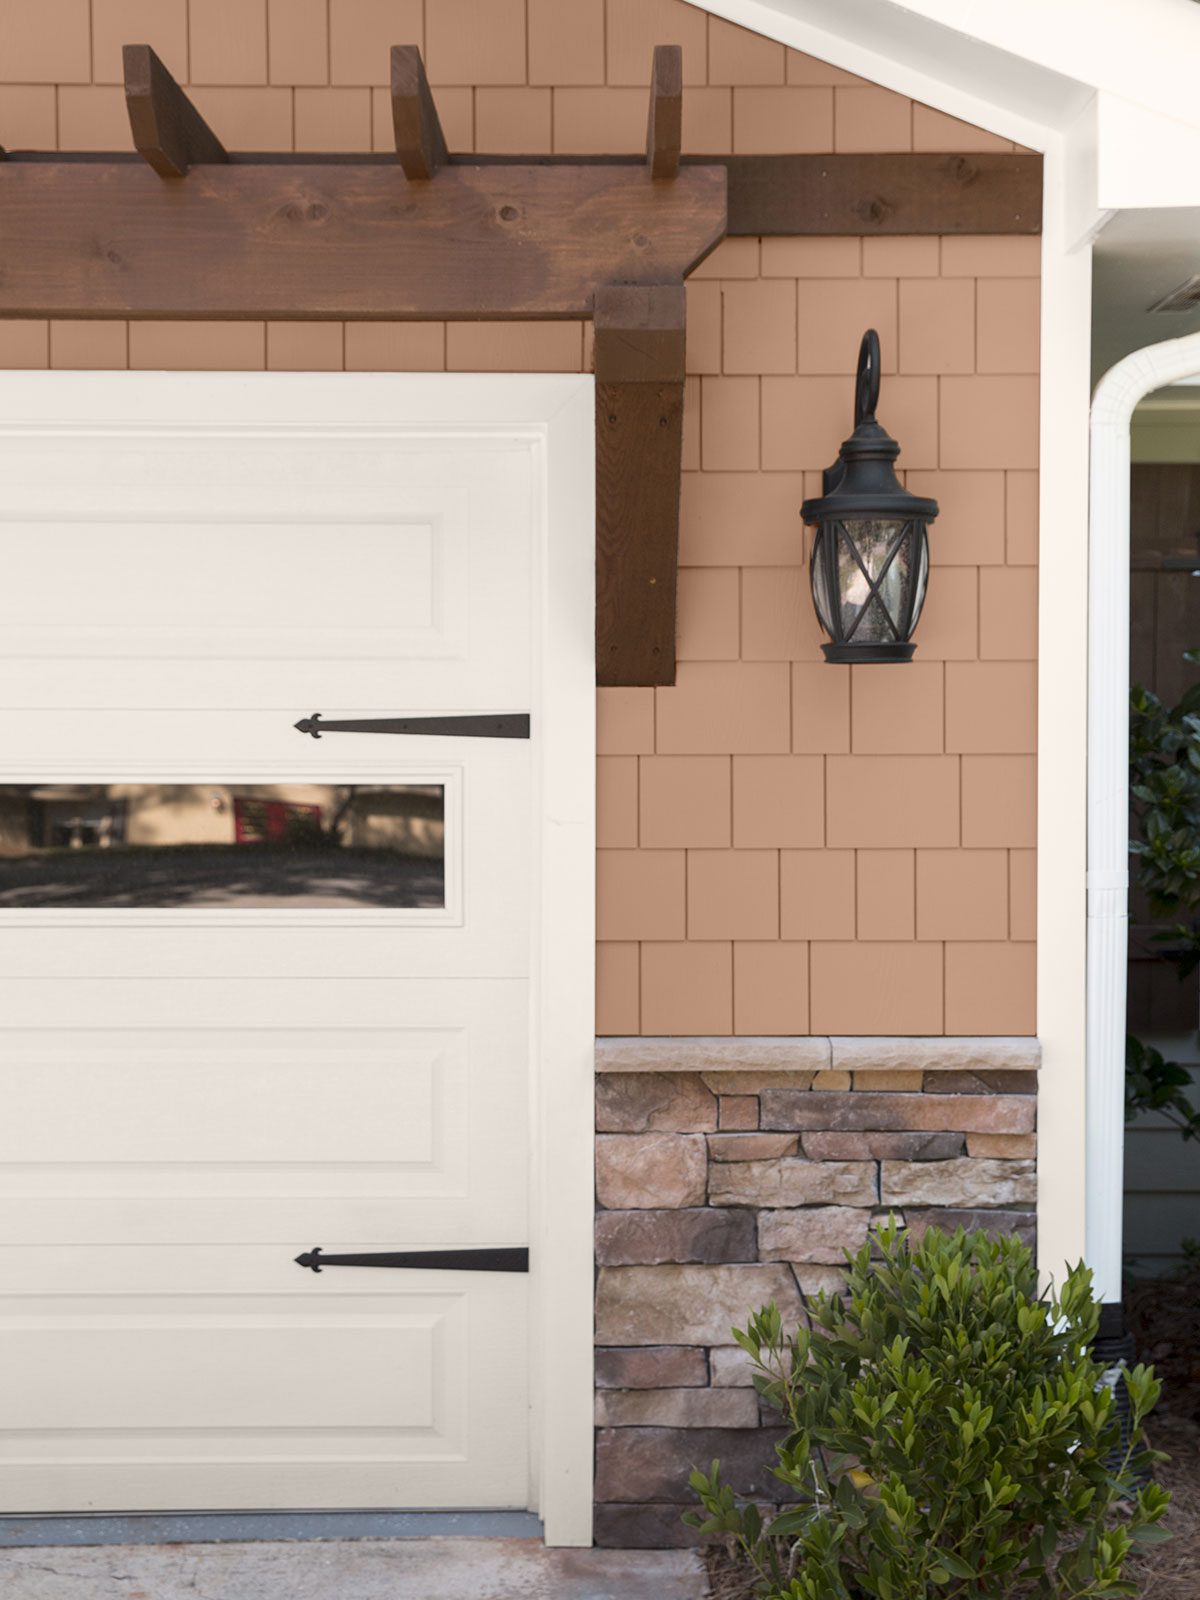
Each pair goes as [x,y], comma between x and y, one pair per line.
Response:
[1138,258]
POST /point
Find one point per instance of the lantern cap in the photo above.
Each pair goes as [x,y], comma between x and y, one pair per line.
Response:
[863,482]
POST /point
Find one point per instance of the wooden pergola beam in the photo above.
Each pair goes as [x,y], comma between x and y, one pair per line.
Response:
[639,364]
[900,192]
[664,130]
[302,241]
[768,195]
[168,132]
[420,142]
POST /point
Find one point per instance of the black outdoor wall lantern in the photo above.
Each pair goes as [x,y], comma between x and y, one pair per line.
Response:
[870,556]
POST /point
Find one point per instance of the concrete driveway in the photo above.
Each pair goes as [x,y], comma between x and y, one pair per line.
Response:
[349,1569]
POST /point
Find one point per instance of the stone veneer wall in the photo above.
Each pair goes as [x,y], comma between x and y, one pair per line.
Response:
[719,1190]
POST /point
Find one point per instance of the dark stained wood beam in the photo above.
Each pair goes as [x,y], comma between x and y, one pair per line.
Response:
[882,194]
[900,192]
[639,366]
[420,143]
[299,240]
[664,132]
[790,195]
[168,131]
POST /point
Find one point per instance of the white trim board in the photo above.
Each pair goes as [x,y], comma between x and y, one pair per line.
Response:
[563,1025]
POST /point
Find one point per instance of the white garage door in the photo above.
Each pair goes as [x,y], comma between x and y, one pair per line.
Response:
[261,993]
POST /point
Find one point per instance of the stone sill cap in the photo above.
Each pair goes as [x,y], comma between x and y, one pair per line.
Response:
[906,1053]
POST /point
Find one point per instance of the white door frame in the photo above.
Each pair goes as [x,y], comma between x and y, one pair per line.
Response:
[553,417]
[563,1024]
[1108,788]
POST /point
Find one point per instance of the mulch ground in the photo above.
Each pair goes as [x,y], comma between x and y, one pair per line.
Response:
[1164,1316]
[1171,1571]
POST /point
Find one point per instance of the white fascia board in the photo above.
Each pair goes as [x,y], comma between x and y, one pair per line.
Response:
[1145,50]
[1083,215]
[1145,159]
[1014,67]
[939,66]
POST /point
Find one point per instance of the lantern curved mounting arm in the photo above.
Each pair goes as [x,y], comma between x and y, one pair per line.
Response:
[866,388]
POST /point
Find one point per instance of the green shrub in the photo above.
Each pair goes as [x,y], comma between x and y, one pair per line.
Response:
[949,1435]
[1164,804]
[1164,794]
[1153,1083]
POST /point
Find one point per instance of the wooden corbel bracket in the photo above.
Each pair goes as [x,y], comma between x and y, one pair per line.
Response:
[420,142]
[664,131]
[639,365]
[168,132]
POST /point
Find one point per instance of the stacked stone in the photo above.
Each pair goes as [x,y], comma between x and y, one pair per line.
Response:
[721,1190]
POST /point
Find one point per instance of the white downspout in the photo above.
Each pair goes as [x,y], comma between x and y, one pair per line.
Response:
[1108,790]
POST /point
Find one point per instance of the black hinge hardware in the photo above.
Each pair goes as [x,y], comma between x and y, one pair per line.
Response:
[506,1260]
[506,726]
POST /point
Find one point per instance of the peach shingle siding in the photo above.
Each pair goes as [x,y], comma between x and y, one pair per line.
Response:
[784,845]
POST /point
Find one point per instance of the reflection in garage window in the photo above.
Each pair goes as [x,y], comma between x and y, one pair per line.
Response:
[282,845]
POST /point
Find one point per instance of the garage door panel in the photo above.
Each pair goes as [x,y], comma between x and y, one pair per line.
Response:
[198,1091]
[392,552]
[413,606]
[121,1369]
[255,745]
[107,947]
[265,1482]
[294,1223]
[289,687]
[389,1136]
[64,1277]
[183,1399]
[301,1106]
[198,1005]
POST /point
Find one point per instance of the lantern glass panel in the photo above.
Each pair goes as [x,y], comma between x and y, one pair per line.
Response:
[922,574]
[824,589]
[866,576]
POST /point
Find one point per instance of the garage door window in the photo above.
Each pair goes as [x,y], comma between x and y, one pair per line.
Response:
[224,846]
